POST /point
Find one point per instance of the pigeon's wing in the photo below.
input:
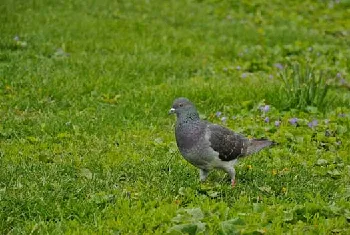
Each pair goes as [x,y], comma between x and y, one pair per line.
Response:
[228,144]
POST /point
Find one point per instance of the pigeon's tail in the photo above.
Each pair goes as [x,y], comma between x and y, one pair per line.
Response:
[258,144]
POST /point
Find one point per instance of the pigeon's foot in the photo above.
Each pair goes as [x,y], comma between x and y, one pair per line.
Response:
[233,183]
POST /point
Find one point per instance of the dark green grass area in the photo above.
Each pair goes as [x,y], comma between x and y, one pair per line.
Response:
[86,143]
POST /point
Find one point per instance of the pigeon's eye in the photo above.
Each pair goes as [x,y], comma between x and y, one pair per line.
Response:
[181,105]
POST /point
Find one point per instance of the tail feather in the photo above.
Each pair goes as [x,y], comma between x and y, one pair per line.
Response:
[258,144]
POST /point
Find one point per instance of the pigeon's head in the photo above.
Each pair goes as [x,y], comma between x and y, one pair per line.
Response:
[182,106]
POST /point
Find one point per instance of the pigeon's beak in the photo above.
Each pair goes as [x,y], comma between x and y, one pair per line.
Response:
[171,111]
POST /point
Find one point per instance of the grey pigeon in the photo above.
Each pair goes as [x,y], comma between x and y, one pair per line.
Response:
[210,146]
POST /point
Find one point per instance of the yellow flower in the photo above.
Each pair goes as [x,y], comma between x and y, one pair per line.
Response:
[274,172]
[249,167]
[284,189]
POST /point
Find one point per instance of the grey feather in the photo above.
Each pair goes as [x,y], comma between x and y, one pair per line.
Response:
[206,145]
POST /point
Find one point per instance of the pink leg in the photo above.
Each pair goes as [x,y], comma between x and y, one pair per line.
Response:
[232,173]
[233,183]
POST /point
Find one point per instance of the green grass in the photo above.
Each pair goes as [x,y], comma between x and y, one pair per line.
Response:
[86,145]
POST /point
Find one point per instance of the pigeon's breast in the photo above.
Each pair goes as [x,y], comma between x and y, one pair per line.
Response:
[188,137]
[194,146]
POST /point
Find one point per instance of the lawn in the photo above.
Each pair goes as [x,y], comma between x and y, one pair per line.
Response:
[87,145]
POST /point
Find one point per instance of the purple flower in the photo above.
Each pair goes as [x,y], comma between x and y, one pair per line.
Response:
[267,119]
[277,123]
[244,75]
[279,66]
[265,108]
[224,119]
[313,123]
[218,114]
[270,76]
[341,115]
[342,81]
[293,121]
[16,38]
[238,67]
[339,75]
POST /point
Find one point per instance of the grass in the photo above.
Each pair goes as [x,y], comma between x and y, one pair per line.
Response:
[304,87]
[86,145]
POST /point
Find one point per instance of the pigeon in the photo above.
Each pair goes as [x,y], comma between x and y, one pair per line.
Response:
[210,146]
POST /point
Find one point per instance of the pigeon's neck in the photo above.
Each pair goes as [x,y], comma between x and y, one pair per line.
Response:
[191,117]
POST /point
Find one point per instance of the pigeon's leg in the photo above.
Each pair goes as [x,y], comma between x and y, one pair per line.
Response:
[232,173]
[203,174]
